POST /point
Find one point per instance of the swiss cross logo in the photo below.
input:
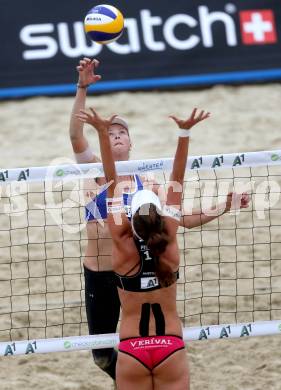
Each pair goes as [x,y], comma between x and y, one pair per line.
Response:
[258,27]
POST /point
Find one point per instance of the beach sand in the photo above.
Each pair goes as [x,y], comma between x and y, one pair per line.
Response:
[34,132]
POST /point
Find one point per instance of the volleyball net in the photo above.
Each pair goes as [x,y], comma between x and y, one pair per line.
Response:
[230,268]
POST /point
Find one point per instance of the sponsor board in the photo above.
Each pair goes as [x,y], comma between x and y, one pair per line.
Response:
[184,43]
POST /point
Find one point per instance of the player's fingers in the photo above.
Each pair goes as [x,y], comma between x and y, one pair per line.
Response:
[200,116]
[193,114]
[205,116]
[83,111]
[174,118]
[93,111]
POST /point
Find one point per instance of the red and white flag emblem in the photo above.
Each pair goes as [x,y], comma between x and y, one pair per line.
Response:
[258,27]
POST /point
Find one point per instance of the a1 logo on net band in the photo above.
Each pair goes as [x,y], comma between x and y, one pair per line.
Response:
[258,27]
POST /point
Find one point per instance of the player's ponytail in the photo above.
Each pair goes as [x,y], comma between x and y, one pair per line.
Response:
[151,228]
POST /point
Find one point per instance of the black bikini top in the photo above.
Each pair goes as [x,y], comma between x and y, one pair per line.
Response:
[145,279]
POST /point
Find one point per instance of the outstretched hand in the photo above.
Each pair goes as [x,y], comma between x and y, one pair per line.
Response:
[188,123]
[94,119]
[86,70]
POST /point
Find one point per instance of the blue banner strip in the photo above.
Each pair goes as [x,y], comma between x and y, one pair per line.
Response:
[157,82]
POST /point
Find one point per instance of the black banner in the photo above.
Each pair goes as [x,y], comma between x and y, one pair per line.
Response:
[164,44]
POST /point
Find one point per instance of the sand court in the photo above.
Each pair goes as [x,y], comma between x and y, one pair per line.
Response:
[44,262]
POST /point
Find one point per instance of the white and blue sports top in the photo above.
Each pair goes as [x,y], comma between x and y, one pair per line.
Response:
[96,208]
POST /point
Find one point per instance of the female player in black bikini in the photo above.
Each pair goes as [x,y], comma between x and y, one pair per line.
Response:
[145,259]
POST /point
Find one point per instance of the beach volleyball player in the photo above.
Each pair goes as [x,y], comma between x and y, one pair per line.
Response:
[101,296]
[146,264]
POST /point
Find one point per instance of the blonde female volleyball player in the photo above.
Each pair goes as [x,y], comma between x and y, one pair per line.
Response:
[146,262]
[101,296]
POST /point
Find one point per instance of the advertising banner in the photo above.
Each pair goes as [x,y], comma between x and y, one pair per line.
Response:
[164,45]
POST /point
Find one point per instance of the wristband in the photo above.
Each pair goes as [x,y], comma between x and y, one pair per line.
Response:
[172,212]
[183,133]
[82,86]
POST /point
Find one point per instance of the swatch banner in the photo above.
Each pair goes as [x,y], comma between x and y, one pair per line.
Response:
[164,44]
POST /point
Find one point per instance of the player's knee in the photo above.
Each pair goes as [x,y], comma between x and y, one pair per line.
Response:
[106,359]
[102,359]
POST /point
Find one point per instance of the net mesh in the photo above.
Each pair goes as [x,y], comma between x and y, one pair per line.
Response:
[230,268]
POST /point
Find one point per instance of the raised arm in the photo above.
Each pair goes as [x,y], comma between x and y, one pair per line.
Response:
[86,70]
[117,220]
[102,125]
[174,193]
[234,201]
